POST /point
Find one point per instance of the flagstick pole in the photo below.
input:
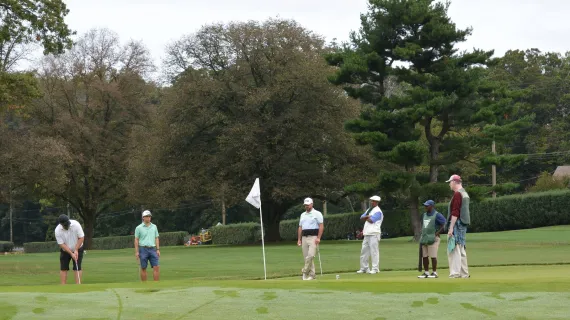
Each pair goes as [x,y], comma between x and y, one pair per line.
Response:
[262,242]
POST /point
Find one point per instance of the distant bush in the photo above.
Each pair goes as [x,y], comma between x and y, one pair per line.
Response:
[239,233]
[547,182]
[6,246]
[109,243]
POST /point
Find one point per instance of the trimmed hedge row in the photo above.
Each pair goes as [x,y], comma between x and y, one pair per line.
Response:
[337,226]
[109,243]
[239,233]
[513,212]
[6,246]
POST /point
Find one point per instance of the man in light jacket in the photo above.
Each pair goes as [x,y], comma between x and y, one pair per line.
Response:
[372,222]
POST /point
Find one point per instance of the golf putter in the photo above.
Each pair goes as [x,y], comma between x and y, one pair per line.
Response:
[77,271]
[320,263]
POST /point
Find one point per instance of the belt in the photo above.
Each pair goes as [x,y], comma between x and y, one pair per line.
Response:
[310,232]
[149,247]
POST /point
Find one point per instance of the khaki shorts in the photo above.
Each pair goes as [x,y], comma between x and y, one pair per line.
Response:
[431,250]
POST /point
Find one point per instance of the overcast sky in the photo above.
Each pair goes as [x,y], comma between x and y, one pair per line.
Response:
[497,24]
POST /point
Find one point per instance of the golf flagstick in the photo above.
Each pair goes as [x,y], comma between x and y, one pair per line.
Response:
[254,198]
[320,263]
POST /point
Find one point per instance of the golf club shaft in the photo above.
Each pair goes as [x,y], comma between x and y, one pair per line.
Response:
[320,263]
[77,272]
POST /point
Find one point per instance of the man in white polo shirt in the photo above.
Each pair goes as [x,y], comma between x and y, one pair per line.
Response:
[372,222]
[309,236]
[69,236]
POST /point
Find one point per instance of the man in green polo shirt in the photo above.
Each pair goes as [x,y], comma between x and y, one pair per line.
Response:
[147,247]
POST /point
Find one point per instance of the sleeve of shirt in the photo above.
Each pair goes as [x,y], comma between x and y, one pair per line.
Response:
[376,216]
[58,238]
[80,233]
[137,232]
[300,220]
[440,219]
[156,232]
[364,214]
[319,218]
[456,204]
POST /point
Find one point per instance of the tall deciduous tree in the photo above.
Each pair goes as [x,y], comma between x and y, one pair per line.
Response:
[93,97]
[252,100]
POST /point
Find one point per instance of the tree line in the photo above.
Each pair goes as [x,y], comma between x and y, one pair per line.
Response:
[392,111]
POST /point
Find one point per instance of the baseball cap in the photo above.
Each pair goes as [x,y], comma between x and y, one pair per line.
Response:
[375,198]
[429,203]
[63,220]
[308,201]
[146,213]
[454,178]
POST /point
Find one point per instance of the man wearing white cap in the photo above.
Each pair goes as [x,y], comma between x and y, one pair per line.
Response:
[458,219]
[147,246]
[372,223]
[309,236]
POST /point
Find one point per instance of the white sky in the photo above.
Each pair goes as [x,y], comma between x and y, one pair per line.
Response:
[498,24]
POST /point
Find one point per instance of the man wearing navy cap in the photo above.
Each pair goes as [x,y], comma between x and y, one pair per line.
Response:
[433,223]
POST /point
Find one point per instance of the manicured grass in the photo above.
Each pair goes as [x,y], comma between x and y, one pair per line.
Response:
[217,283]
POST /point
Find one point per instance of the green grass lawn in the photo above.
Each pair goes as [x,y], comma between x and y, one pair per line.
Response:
[515,275]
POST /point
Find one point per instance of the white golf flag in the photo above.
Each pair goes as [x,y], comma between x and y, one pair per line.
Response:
[254,196]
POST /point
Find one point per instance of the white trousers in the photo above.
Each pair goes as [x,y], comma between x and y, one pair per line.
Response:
[457,260]
[370,250]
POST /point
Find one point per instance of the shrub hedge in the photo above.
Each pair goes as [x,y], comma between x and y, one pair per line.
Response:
[239,233]
[6,246]
[109,243]
[513,212]
[337,226]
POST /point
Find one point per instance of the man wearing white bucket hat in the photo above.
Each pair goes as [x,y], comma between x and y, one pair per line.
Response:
[372,222]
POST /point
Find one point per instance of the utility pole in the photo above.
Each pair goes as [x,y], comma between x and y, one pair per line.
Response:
[494,169]
[223,211]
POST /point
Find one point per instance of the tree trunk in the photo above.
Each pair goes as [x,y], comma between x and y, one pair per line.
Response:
[89,227]
[223,212]
[415,218]
[272,213]
[434,156]
[11,213]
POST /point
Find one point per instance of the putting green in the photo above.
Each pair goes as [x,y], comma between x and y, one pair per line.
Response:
[532,292]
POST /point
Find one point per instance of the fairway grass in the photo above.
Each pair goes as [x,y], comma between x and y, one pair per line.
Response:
[521,275]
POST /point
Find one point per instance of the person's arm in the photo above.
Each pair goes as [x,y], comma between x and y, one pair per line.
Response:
[62,244]
[137,242]
[375,217]
[80,239]
[79,243]
[455,211]
[364,216]
[299,233]
[157,242]
[440,221]
[321,228]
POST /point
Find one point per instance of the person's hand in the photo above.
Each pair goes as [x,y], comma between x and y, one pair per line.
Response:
[437,234]
[158,252]
[74,256]
[317,241]
[299,243]
[137,254]
[450,232]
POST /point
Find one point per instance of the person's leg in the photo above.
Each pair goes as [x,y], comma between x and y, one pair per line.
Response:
[425,258]
[365,254]
[432,252]
[64,259]
[153,257]
[310,259]
[464,271]
[375,252]
[455,262]
[305,247]
[143,257]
